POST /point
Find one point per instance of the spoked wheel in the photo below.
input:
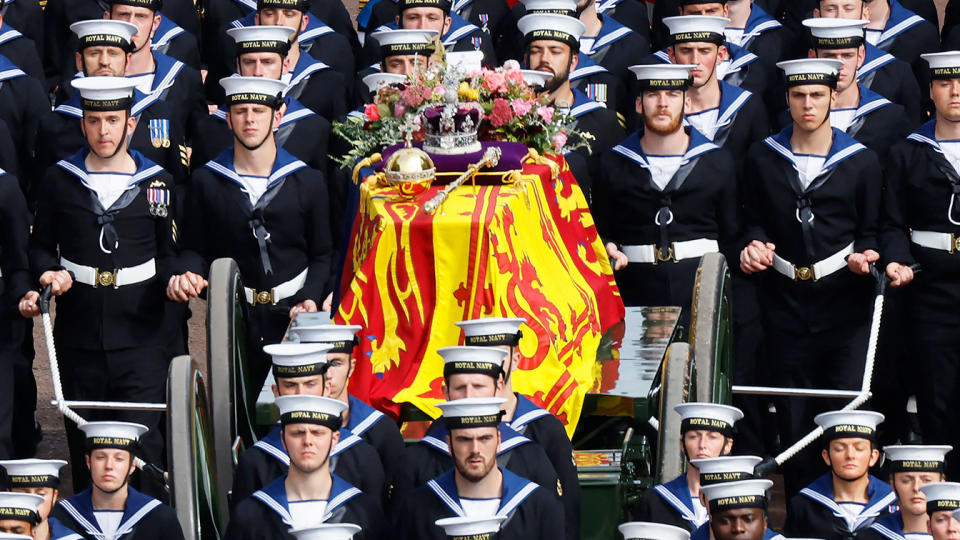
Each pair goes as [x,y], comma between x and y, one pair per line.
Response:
[233,399]
[675,381]
[193,478]
[711,337]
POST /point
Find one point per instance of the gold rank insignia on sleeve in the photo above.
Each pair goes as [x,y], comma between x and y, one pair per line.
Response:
[173,229]
[559,488]
[184,155]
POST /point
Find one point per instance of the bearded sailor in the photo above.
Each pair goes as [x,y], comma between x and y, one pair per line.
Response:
[665,196]
[308,494]
[477,486]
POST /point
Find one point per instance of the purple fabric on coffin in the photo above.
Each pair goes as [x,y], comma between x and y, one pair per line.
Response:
[510,160]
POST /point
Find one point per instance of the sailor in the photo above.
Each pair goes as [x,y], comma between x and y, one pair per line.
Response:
[750,27]
[845,501]
[921,223]
[665,194]
[609,43]
[707,432]
[474,372]
[477,486]
[312,35]
[302,131]
[911,467]
[902,33]
[111,508]
[104,50]
[722,470]
[158,32]
[738,511]
[19,49]
[19,513]
[309,494]
[176,82]
[859,112]
[23,102]
[815,311]
[456,33]
[648,530]
[327,23]
[327,531]
[943,500]
[267,210]
[401,52]
[299,369]
[731,117]
[881,72]
[15,220]
[525,417]
[104,240]
[361,419]
[552,45]
[37,477]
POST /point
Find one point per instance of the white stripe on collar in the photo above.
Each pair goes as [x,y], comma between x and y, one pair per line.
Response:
[519,497]
[903,25]
[875,509]
[82,521]
[367,423]
[279,454]
[663,56]
[69,109]
[511,443]
[877,62]
[344,444]
[886,531]
[132,521]
[743,60]
[252,4]
[164,39]
[445,498]
[734,108]
[275,506]
[276,175]
[684,510]
[528,417]
[140,106]
[461,32]
[339,500]
[757,30]
[430,440]
[584,108]
[292,117]
[168,78]
[9,35]
[610,38]
[314,33]
[868,108]
[587,71]
[312,68]
[11,73]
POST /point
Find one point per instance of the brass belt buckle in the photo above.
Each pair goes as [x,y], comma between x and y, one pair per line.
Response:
[954,243]
[660,257]
[803,273]
[105,278]
[263,297]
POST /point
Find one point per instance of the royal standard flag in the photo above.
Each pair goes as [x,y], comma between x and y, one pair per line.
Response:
[526,249]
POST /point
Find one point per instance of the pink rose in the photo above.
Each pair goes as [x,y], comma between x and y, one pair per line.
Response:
[559,140]
[546,113]
[372,112]
[520,106]
[439,90]
[514,76]
[493,81]
[500,115]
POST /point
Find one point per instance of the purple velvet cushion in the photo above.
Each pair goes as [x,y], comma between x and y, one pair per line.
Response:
[510,160]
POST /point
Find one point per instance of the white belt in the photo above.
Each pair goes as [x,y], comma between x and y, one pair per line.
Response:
[280,292]
[936,240]
[817,270]
[677,251]
[117,277]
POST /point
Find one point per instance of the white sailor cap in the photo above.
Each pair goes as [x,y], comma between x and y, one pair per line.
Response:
[14,536]
[956,514]
[725,469]
[941,496]
[833,33]
[708,417]
[20,506]
[33,473]
[257,38]
[732,495]
[645,530]
[375,80]
[699,28]
[256,90]
[306,409]
[104,32]
[119,435]
[341,337]
[849,424]
[663,76]
[493,330]
[548,26]
[535,77]
[104,93]
[472,412]
[327,531]
[464,360]
[811,71]
[556,7]
[943,65]
[291,360]
[916,458]
[472,528]
[405,41]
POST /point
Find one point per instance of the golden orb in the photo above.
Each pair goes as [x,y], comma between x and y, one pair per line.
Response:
[410,170]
